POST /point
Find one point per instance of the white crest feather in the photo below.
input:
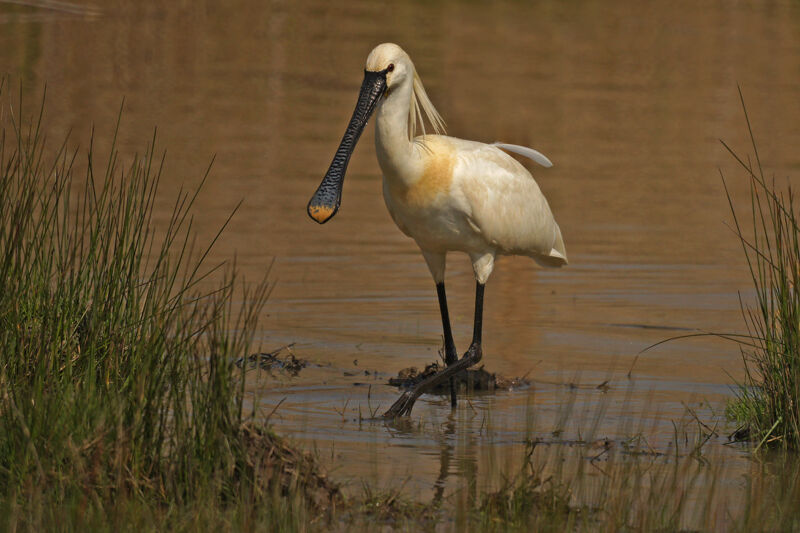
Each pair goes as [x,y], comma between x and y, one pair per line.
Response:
[524,151]
[421,104]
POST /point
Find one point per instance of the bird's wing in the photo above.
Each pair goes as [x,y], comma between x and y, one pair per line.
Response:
[504,203]
[524,151]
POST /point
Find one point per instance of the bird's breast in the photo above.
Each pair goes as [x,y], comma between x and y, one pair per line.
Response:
[426,188]
[426,208]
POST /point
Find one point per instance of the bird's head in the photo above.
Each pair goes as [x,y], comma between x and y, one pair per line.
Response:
[393,62]
[387,66]
[388,69]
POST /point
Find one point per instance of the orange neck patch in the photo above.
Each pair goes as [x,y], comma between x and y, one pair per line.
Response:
[437,175]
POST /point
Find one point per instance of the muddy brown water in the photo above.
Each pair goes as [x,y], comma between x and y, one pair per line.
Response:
[627,99]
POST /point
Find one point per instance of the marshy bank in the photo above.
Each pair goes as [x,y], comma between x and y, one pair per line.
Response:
[118,385]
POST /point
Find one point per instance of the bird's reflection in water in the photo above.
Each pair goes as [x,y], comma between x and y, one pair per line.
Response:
[457,437]
[446,449]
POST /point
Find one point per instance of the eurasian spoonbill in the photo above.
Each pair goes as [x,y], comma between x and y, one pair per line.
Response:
[447,194]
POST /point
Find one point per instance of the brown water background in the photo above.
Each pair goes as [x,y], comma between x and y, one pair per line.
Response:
[629,100]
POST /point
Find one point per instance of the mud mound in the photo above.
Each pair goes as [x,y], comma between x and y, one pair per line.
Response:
[277,465]
[474,379]
[274,360]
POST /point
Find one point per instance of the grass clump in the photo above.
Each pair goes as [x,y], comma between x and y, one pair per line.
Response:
[768,402]
[530,500]
[117,383]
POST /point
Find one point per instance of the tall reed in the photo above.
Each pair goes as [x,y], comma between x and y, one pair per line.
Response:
[116,348]
[768,401]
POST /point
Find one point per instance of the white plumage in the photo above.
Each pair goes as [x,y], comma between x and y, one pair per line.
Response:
[450,194]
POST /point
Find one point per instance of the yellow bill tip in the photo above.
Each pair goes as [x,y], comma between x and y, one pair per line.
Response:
[320,213]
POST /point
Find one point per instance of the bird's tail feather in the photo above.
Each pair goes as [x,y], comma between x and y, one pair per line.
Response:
[558,254]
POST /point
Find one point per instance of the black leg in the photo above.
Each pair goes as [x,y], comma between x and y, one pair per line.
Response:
[475,347]
[450,354]
[404,404]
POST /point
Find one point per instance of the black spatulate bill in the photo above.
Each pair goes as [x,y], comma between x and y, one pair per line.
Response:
[326,200]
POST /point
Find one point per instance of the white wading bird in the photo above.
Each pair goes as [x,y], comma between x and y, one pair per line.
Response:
[447,194]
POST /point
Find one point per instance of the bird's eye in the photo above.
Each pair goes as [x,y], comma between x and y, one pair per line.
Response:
[390,67]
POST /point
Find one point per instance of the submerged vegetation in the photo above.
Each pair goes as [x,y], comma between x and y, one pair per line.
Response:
[768,403]
[597,484]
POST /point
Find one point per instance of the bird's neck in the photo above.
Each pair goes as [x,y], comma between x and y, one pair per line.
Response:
[395,151]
